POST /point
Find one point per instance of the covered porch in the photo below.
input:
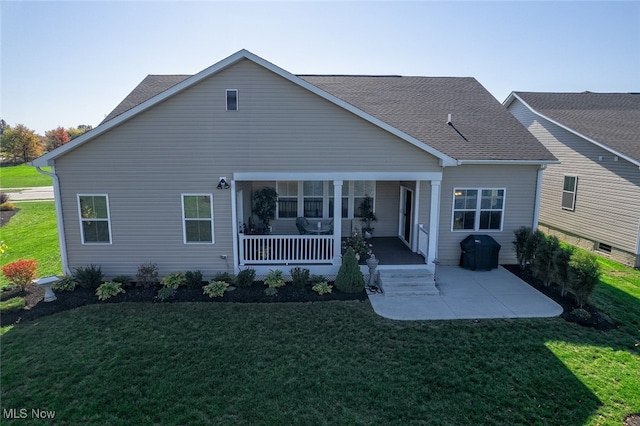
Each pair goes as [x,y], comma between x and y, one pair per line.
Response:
[407,205]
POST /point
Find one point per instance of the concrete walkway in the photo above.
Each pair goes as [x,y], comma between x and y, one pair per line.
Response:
[466,294]
[40,193]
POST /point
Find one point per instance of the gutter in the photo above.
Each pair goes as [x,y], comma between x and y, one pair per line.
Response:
[62,240]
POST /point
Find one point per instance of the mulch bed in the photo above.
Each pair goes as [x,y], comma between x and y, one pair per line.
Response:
[36,307]
[6,215]
[598,319]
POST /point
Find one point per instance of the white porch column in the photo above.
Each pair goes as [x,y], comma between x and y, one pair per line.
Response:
[434,220]
[337,221]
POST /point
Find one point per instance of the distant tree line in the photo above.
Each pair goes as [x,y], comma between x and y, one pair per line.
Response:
[20,144]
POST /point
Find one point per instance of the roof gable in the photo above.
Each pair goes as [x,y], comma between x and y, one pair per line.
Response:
[609,120]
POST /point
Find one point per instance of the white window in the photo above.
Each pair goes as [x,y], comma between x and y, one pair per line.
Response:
[315,199]
[478,209]
[569,192]
[232,99]
[95,222]
[197,218]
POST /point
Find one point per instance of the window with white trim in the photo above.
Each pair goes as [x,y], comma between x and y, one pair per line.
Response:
[315,199]
[478,209]
[569,188]
[232,99]
[95,222]
[197,218]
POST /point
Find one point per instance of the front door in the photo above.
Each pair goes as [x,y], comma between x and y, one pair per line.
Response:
[406,211]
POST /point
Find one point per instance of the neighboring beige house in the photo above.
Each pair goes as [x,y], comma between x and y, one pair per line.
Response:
[440,157]
[591,199]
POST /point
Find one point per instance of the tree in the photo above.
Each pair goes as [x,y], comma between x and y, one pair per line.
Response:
[74,132]
[55,138]
[3,126]
[21,144]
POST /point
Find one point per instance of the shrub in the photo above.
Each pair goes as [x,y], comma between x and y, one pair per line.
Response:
[581,313]
[4,197]
[88,276]
[560,273]
[322,288]
[584,273]
[66,283]
[215,288]
[147,274]
[193,278]
[22,272]
[274,279]
[173,280]
[315,279]
[5,207]
[125,280]
[300,276]
[12,305]
[349,279]
[108,290]
[270,291]
[543,267]
[246,277]
[226,277]
[165,293]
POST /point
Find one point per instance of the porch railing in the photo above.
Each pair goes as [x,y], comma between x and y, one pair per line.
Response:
[423,241]
[286,249]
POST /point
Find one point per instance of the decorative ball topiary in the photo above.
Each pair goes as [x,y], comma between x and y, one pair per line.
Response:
[349,279]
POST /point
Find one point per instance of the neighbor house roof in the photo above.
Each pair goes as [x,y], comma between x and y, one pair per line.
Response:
[413,108]
[611,120]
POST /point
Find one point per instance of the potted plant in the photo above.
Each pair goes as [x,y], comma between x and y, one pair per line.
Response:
[368,216]
[265,202]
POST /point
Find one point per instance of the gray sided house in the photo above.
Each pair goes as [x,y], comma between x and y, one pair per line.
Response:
[169,176]
[591,199]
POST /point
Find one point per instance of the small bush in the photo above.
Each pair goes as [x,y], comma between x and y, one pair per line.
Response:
[274,279]
[246,277]
[22,272]
[215,288]
[7,207]
[526,244]
[584,273]
[543,267]
[300,276]
[88,276]
[193,278]
[12,305]
[147,274]
[315,279]
[270,291]
[226,277]
[125,280]
[349,279]
[322,288]
[4,197]
[581,313]
[165,293]
[108,290]
[173,280]
[560,273]
[66,283]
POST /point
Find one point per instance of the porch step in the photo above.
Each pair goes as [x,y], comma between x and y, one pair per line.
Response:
[399,282]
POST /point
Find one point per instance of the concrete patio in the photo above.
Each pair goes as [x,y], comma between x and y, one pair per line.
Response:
[466,294]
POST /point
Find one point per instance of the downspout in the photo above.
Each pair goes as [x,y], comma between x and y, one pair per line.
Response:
[62,240]
[536,205]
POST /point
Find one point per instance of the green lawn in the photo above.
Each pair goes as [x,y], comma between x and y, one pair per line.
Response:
[323,363]
[23,176]
[32,234]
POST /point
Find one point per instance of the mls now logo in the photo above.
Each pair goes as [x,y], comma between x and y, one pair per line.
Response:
[23,413]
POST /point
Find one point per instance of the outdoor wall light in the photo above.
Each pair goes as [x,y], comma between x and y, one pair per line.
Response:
[223,183]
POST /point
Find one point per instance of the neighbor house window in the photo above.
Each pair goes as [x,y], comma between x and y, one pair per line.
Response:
[569,192]
[95,224]
[478,209]
[232,99]
[197,215]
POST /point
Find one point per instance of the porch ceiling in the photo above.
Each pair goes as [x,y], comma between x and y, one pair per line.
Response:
[377,176]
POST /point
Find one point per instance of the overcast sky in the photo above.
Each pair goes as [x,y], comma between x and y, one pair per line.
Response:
[71,63]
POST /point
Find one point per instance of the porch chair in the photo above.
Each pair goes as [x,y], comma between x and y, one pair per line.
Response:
[302,223]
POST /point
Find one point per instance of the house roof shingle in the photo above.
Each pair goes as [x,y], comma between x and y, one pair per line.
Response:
[612,119]
[418,106]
